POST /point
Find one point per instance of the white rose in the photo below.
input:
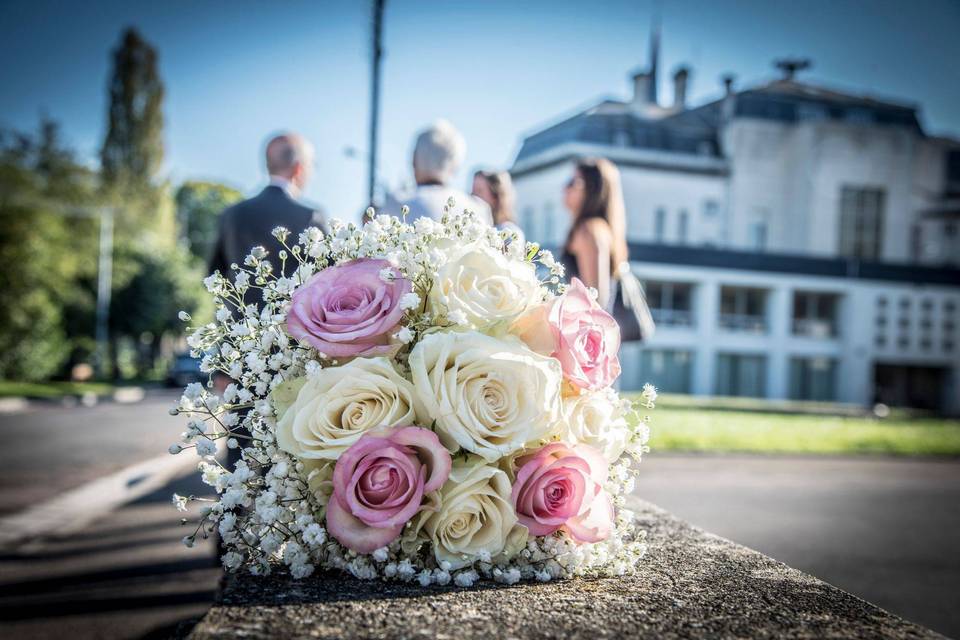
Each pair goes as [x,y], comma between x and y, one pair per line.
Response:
[339,404]
[596,419]
[484,285]
[469,519]
[487,395]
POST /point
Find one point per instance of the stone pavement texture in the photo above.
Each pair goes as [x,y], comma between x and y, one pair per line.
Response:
[692,585]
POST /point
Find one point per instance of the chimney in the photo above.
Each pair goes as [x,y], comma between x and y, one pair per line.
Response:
[729,96]
[641,89]
[680,77]
[727,80]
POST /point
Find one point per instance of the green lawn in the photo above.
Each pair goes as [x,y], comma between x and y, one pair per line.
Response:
[47,390]
[687,424]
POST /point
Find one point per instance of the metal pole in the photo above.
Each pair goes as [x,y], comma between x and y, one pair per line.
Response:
[104,286]
[375,95]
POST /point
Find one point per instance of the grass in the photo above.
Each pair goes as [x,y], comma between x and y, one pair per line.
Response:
[50,390]
[689,424]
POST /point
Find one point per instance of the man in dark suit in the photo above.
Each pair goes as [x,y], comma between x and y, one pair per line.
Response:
[251,222]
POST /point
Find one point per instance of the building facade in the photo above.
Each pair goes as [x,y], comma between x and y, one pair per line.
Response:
[796,242]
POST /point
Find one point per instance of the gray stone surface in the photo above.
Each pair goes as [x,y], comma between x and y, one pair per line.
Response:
[692,585]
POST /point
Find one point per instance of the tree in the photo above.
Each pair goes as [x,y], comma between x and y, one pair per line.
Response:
[146,308]
[199,205]
[47,254]
[133,148]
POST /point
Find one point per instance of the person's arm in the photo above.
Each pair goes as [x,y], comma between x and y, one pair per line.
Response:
[591,245]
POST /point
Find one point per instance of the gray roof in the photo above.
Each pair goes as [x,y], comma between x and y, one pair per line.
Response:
[696,131]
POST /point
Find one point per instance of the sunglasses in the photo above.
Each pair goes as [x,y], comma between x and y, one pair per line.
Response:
[573,182]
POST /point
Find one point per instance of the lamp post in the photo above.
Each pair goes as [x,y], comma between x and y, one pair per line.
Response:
[105,217]
[104,289]
[375,95]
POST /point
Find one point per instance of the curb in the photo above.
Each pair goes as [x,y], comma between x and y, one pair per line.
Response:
[122,395]
[78,507]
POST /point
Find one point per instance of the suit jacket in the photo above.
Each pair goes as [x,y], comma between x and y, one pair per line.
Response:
[251,222]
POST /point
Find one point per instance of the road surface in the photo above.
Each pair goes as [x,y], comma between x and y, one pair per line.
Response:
[881,528]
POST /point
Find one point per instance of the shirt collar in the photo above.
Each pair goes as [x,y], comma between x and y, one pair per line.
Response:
[288,187]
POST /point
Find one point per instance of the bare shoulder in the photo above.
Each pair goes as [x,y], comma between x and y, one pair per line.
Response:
[594,231]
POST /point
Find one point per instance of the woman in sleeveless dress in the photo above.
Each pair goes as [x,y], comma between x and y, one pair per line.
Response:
[597,241]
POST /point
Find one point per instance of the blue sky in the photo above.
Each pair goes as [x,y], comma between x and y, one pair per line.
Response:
[236,71]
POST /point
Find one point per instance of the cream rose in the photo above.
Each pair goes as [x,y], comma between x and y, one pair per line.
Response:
[595,419]
[487,395]
[482,286]
[471,518]
[339,404]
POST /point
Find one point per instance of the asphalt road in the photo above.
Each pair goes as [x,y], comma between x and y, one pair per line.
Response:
[49,450]
[883,529]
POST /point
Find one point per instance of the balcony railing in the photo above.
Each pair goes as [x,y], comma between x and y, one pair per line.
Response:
[743,323]
[672,317]
[814,328]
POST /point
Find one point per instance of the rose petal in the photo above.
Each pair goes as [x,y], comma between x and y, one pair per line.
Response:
[352,533]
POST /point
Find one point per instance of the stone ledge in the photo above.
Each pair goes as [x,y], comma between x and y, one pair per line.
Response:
[692,585]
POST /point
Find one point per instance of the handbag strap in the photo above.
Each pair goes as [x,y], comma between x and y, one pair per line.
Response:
[635,299]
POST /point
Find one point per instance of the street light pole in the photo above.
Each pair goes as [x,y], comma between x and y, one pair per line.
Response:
[375,95]
[104,286]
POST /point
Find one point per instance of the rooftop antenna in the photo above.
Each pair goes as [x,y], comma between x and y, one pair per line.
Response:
[790,66]
[654,54]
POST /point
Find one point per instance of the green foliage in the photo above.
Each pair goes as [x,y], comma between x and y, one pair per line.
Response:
[683,426]
[162,285]
[43,243]
[199,205]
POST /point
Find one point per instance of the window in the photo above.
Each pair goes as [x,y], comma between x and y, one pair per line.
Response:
[758,235]
[670,369]
[659,224]
[861,223]
[682,223]
[710,208]
[811,111]
[815,314]
[671,303]
[743,309]
[741,375]
[813,379]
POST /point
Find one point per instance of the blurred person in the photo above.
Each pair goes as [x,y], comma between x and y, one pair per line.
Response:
[242,226]
[437,155]
[596,245]
[496,189]
[289,161]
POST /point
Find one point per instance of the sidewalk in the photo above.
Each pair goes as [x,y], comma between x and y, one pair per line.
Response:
[124,576]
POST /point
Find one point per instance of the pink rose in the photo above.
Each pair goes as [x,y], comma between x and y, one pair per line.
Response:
[575,330]
[562,487]
[379,483]
[348,310]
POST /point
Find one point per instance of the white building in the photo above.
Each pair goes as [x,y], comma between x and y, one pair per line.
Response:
[796,242]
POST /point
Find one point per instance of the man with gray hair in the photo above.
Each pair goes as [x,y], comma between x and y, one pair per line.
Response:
[289,160]
[437,155]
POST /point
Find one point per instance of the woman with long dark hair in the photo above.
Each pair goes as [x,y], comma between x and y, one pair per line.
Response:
[596,245]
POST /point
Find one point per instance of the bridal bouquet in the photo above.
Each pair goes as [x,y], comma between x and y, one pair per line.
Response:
[414,402]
